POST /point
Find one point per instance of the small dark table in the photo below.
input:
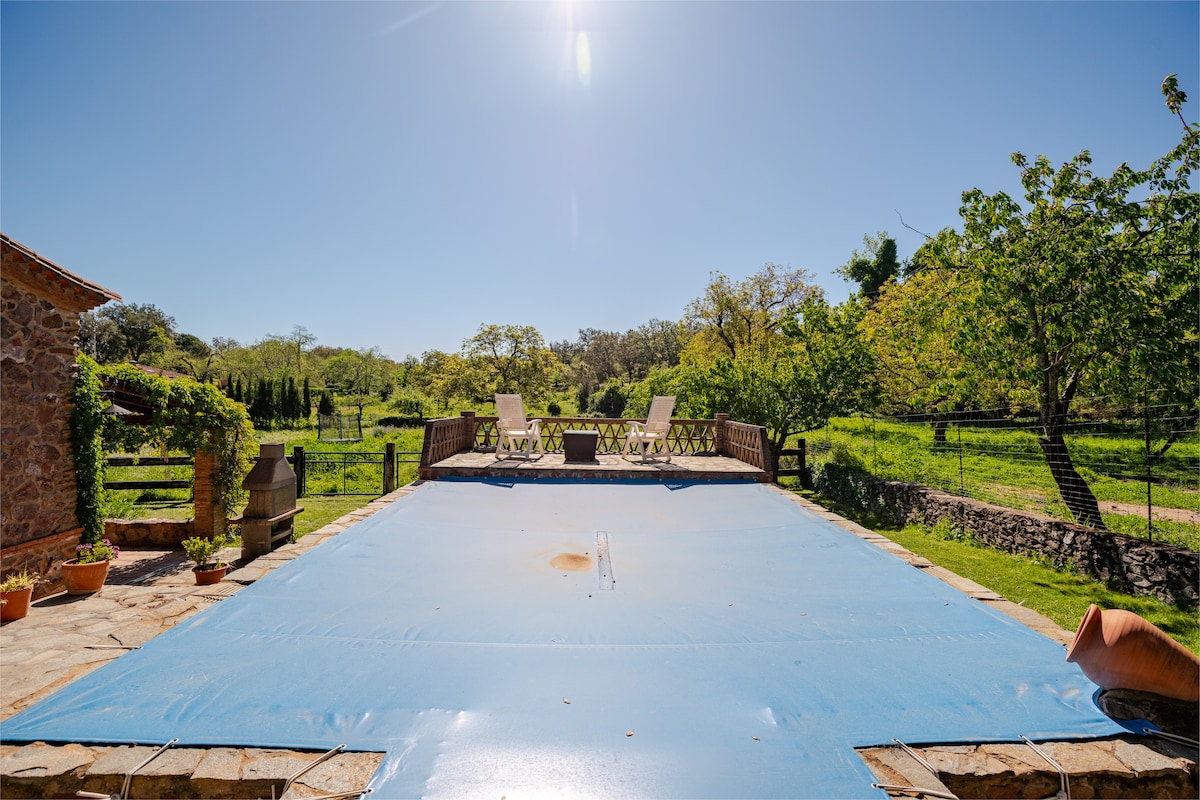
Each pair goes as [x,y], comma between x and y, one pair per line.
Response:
[580,446]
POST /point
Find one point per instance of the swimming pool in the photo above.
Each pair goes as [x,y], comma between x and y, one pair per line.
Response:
[583,639]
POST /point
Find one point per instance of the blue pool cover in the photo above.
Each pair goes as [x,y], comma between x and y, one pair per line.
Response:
[588,640]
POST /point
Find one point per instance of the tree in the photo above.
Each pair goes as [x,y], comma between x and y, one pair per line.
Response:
[913,327]
[325,405]
[731,318]
[1084,283]
[201,360]
[826,368]
[509,359]
[874,266]
[295,342]
[356,374]
[100,338]
[144,329]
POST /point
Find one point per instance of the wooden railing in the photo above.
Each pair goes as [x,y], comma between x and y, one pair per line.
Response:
[686,436]
[748,443]
[446,437]
[718,436]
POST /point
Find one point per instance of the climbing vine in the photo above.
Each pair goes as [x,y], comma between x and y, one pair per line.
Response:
[185,415]
[87,447]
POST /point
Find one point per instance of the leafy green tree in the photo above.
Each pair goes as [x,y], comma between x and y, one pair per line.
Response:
[100,338]
[609,399]
[731,318]
[913,327]
[325,405]
[1091,279]
[874,266]
[193,356]
[144,330]
[826,368]
[356,374]
[507,359]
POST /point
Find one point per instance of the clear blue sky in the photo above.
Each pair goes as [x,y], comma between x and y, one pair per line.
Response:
[394,174]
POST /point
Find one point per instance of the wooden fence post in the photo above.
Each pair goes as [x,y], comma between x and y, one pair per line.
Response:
[298,468]
[389,467]
[805,475]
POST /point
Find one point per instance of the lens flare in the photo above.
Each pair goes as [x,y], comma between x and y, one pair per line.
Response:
[583,59]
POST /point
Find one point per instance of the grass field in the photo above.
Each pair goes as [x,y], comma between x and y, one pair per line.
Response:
[1006,467]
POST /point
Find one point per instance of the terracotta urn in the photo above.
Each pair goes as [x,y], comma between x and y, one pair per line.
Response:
[1117,649]
[84,578]
[207,577]
[16,604]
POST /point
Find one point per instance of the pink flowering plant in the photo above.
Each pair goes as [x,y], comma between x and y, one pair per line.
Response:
[91,552]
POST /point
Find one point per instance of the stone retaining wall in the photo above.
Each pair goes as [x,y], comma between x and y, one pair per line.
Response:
[1126,563]
[148,534]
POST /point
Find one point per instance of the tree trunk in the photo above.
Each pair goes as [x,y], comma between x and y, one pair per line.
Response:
[939,433]
[1071,487]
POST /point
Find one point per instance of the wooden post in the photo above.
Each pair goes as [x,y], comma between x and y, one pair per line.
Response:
[389,467]
[769,457]
[719,433]
[468,434]
[802,462]
[298,468]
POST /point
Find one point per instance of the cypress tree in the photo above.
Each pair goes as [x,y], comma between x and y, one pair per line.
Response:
[325,406]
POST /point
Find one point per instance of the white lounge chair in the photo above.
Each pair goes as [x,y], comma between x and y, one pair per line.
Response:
[512,428]
[654,429]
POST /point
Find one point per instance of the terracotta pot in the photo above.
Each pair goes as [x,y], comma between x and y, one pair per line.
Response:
[16,604]
[1117,649]
[207,577]
[84,578]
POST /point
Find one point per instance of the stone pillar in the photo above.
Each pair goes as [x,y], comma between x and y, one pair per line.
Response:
[210,514]
[468,434]
[719,421]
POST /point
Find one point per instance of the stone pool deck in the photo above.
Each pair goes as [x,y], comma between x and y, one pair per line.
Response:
[65,637]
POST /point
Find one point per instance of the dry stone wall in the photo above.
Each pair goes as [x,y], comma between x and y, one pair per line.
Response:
[1126,563]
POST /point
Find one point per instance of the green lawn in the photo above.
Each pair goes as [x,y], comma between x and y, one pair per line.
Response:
[1006,467]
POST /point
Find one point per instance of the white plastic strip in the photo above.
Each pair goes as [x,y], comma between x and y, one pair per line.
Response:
[603,562]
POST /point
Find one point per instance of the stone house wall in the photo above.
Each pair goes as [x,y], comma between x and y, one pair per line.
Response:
[40,308]
[38,365]
[1126,563]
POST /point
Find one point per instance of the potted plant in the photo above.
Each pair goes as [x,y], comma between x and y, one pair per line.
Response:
[85,573]
[209,567]
[15,593]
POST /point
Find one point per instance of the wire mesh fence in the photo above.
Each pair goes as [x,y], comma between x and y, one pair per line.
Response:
[1140,465]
